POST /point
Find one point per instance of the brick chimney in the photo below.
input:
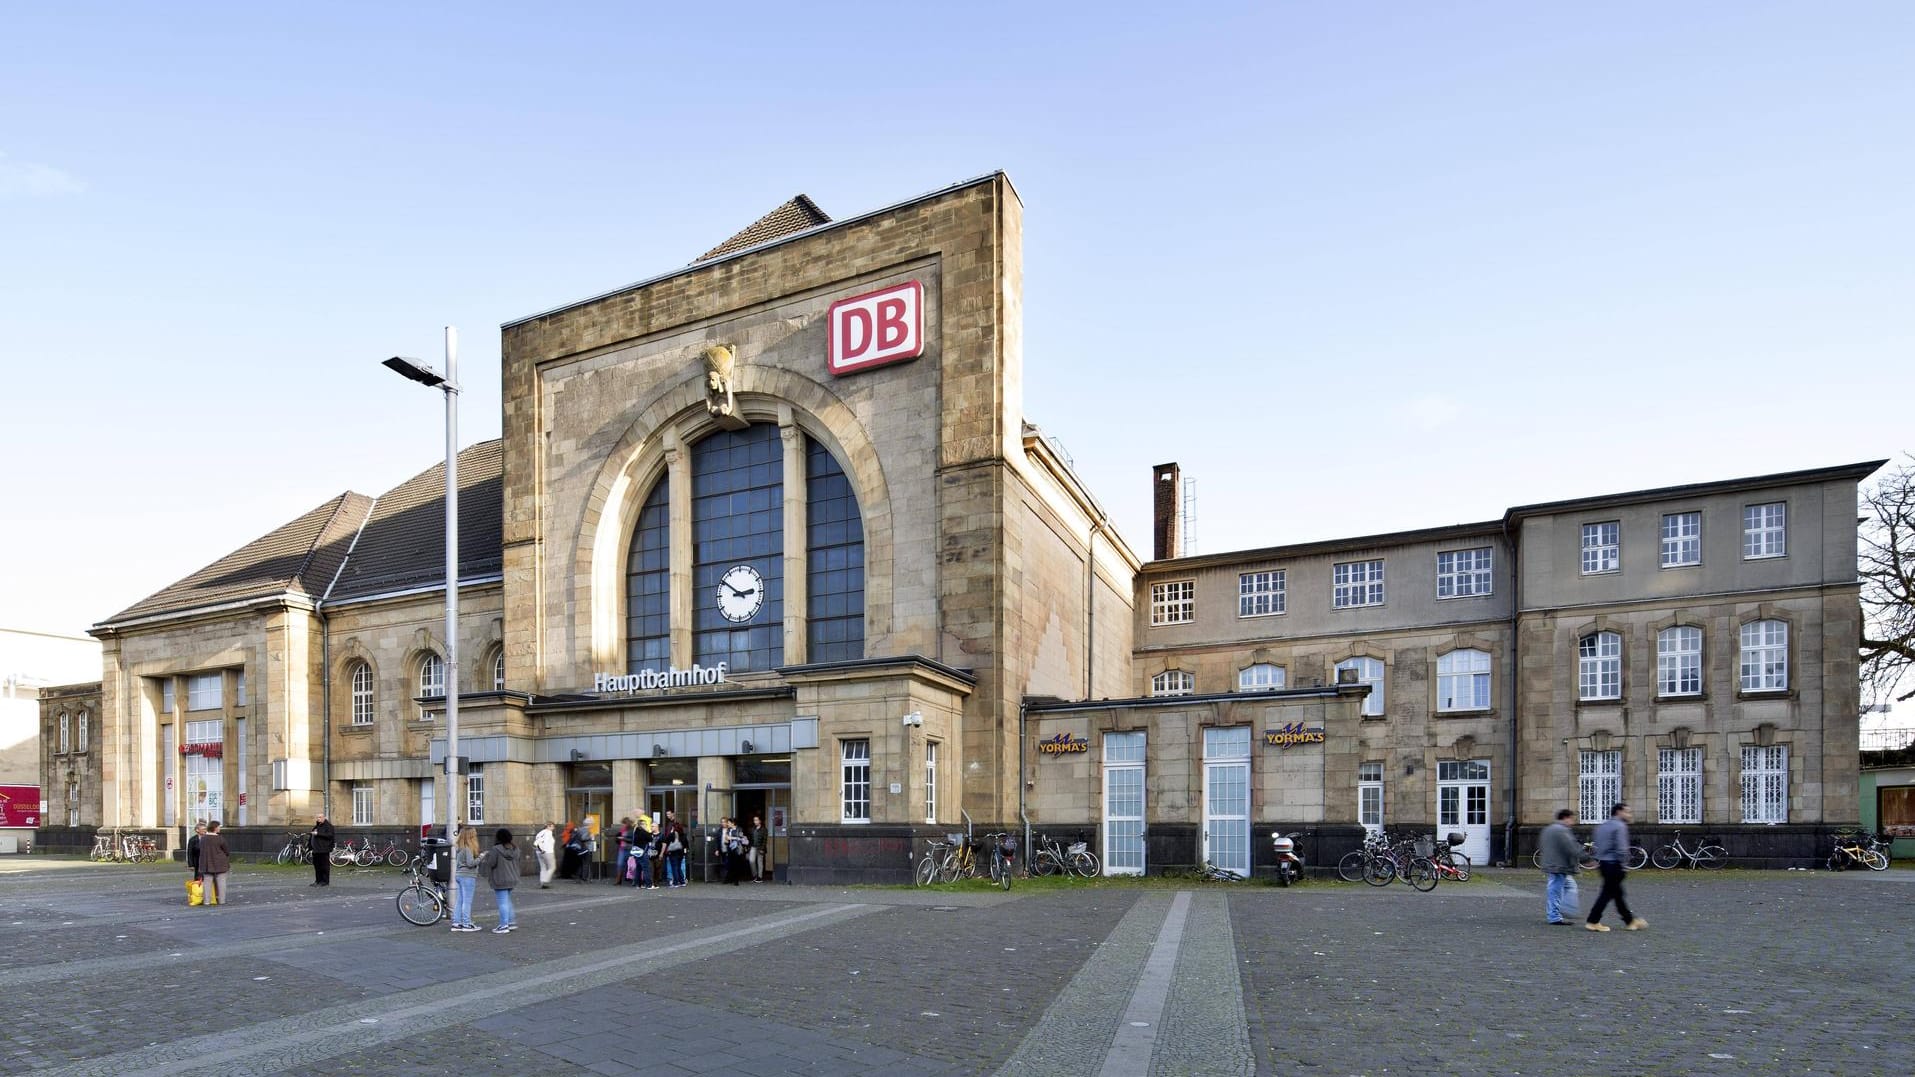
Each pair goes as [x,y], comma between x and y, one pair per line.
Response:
[1166,501]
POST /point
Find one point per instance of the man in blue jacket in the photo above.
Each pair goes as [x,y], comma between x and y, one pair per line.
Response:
[1612,852]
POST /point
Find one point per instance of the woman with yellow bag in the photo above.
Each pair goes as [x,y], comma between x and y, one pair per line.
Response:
[195,886]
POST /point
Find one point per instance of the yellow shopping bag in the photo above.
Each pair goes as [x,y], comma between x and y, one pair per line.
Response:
[195,892]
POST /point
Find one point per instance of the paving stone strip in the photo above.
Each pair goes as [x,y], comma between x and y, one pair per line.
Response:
[272,1046]
[1136,1039]
[1204,1031]
[1075,1033]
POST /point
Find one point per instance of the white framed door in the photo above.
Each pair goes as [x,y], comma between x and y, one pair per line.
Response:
[1462,804]
[1124,803]
[1226,835]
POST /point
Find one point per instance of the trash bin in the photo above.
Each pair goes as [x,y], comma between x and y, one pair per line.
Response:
[437,854]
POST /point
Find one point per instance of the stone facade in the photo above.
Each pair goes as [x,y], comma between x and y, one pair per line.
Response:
[70,761]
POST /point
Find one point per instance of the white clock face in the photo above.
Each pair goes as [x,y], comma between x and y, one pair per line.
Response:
[741,593]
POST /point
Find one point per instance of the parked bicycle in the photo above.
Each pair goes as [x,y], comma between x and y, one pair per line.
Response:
[1852,848]
[1052,858]
[1707,855]
[422,902]
[1638,857]
[297,850]
[1212,873]
[932,863]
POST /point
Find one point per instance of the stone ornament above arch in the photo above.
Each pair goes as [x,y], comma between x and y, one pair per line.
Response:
[1463,747]
[677,416]
[1465,642]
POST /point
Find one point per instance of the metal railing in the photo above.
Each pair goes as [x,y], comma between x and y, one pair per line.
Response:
[1888,740]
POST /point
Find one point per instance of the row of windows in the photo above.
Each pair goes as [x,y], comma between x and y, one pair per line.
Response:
[1763,661]
[854,790]
[1764,534]
[204,692]
[67,726]
[363,803]
[431,670]
[1462,681]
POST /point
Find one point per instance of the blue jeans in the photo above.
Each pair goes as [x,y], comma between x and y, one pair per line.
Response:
[504,899]
[462,899]
[618,867]
[642,874]
[675,869]
[1563,902]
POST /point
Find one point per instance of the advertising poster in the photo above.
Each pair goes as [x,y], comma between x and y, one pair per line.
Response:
[19,805]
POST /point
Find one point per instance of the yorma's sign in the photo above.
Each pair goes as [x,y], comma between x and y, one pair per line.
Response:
[1289,736]
[1063,744]
[877,328]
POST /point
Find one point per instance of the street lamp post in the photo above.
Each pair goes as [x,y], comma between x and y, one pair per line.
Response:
[449,384]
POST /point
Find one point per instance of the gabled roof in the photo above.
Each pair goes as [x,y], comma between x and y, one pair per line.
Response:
[299,558]
[403,545]
[794,216]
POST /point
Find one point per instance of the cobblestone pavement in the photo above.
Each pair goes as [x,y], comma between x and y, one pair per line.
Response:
[107,971]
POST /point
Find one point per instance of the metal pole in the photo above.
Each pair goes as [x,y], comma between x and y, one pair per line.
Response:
[451,388]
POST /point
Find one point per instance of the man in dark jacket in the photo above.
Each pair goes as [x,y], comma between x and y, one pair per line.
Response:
[1562,858]
[321,838]
[192,849]
[1612,852]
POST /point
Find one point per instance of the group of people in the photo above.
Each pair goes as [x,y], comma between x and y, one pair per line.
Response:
[1562,857]
[210,861]
[646,859]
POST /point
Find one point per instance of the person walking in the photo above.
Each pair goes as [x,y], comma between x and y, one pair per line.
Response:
[542,845]
[1612,853]
[569,850]
[1562,858]
[624,838]
[215,861]
[321,840]
[760,850]
[642,855]
[192,849]
[500,866]
[465,878]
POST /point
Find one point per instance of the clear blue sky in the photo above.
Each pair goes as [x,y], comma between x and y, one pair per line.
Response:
[1357,267]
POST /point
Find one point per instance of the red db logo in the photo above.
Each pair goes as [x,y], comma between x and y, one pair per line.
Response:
[876,328]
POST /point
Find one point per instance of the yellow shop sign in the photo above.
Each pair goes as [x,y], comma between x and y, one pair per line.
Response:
[1291,735]
[1063,744]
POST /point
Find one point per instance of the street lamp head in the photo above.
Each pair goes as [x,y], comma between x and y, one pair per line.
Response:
[416,370]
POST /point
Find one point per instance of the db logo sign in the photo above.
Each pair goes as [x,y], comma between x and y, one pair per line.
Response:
[877,328]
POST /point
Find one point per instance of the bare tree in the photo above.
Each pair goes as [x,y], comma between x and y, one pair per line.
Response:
[1888,585]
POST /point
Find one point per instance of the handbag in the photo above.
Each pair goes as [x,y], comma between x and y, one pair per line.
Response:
[195,892]
[676,846]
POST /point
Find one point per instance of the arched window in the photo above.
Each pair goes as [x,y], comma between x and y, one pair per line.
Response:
[738,549]
[498,671]
[1173,682]
[1462,681]
[1765,656]
[360,679]
[66,730]
[1262,677]
[1679,663]
[1599,666]
[84,732]
[432,679]
[1368,671]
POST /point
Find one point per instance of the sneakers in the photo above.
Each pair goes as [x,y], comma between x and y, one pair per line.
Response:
[467,927]
[503,929]
[1595,927]
[1638,924]
[1557,923]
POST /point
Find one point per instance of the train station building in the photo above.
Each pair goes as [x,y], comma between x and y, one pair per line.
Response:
[771,535]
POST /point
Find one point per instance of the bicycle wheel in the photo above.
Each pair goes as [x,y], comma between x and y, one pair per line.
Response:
[1875,859]
[1710,857]
[948,868]
[1379,870]
[1536,858]
[1046,864]
[366,858]
[1004,869]
[1459,863]
[1085,864]
[396,857]
[341,857]
[420,905]
[1350,868]
[1638,858]
[1665,857]
[285,855]
[927,872]
[1423,875]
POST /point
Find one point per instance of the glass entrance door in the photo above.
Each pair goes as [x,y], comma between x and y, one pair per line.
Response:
[1227,798]
[1123,803]
[1462,805]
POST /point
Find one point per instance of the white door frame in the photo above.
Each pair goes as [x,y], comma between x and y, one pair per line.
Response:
[1127,767]
[1471,798]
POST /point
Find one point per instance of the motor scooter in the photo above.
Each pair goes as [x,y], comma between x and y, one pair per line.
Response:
[1289,861]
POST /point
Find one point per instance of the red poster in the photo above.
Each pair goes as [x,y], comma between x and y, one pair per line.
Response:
[19,805]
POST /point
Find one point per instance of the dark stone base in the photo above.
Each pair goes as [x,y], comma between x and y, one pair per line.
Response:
[1792,845]
[881,853]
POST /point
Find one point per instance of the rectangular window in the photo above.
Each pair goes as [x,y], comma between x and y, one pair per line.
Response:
[1765,656]
[362,803]
[1173,682]
[1173,603]
[1765,784]
[1681,539]
[239,689]
[1463,573]
[204,691]
[856,783]
[1230,742]
[1679,785]
[85,737]
[1602,547]
[1368,671]
[1679,661]
[1895,810]
[834,560]
[73,804]
[1765,530]
[1599,666]
[205,776]
[475,795]
[930,781]
[1358,583]
[166,696]
[239,771]
[1369,795]
[1462,681]
[1123,747]
[1600,784]
[1260,594]
[428,803]
[66,731]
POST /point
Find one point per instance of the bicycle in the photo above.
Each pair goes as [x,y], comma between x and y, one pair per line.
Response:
[1051,858]
[138,849]
[1638,857]
[297,850]
[960,860]
[1355,865]
[1851,850]
[1214,874]
[1708,855]
[393,853]
[422,902]
[1003,859]
[933,862]
[103,851]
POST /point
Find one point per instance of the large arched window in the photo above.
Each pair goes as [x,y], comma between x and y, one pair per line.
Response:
[1262,677]
[362,701]
[432,679]
[738,548]
[1599,666]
